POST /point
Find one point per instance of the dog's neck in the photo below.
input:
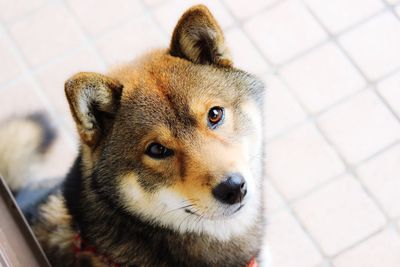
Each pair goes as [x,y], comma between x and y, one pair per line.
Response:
[129,240]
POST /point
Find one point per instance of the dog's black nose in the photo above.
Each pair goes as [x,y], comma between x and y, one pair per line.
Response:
[232,190]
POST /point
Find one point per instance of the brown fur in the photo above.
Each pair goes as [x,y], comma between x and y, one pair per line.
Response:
[120,199]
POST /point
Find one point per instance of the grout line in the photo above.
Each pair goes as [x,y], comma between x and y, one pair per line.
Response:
[362,240]
[392,8]
[276,67]
[345,171]
[240,21]
[359,70]
[87,40]
[150,12]
[349,167]
[291,211]
[331,38]
[386,103]
[237,23]
[29,13]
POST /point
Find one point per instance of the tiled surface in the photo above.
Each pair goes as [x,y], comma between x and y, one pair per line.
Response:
[339,214]
[282,111]
[105,14]
[360,126]
[322,77]
[312,161]
[389,88]
[380,250]
[242,10]
[38,42]
[374,45]
[332,114]
[338,15]
[381,176]
[284,31]
[289,245]
[10,68]
[250,61]
[128,45]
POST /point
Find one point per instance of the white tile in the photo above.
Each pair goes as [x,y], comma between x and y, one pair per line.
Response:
[153,3]
[98,15]
[322,77]
[284,31]
[245,55]
[20,99]
[243,9]
[390,90]
[288,244]
[10,10]
[301,160]
[281,109]
[374,46]
[46,33]
[168,13]
[340,14]
[128,48]
[339,215]
[381,250]
[392,2]
[273,201]
[381,175]
[360,127]
[9,66]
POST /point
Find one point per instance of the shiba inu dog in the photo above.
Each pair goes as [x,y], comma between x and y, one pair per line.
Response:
[170,167]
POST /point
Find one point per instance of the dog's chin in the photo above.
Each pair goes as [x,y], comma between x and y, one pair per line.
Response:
[221,213]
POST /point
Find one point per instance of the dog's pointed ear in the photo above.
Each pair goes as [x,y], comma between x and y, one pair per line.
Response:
[93,99]
[198,38]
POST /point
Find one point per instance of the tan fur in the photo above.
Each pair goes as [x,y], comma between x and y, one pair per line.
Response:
[54,231]
[19,155]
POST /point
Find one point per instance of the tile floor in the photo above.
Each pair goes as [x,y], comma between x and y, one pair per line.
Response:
[333,104]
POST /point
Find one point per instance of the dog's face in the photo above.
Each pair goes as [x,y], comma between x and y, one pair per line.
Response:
[176,137]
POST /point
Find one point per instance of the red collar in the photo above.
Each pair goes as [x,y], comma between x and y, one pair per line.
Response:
[252,263]
[79,247]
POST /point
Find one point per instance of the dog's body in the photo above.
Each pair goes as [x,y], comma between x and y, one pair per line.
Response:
[170,167]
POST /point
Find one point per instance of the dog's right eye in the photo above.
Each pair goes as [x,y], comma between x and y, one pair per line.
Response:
[158,151]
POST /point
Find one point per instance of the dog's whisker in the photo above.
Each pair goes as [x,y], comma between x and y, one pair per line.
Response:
[176,209]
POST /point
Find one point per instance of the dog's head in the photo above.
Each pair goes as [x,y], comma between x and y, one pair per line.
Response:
[175,137]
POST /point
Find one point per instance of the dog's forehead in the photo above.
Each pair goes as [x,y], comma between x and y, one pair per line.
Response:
[161,73]
[165,83]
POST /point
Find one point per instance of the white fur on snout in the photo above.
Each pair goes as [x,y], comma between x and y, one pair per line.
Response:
[166,207]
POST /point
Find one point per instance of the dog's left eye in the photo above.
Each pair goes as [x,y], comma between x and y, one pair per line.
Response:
[215,116]
[158,151]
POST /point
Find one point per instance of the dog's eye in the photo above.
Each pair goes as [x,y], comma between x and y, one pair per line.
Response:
[158,151]
[215,116]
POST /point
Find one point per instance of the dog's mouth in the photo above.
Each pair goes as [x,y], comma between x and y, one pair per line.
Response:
[216,216]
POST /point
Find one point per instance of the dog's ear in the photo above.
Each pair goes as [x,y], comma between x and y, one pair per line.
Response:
[94,99]
[198,38]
